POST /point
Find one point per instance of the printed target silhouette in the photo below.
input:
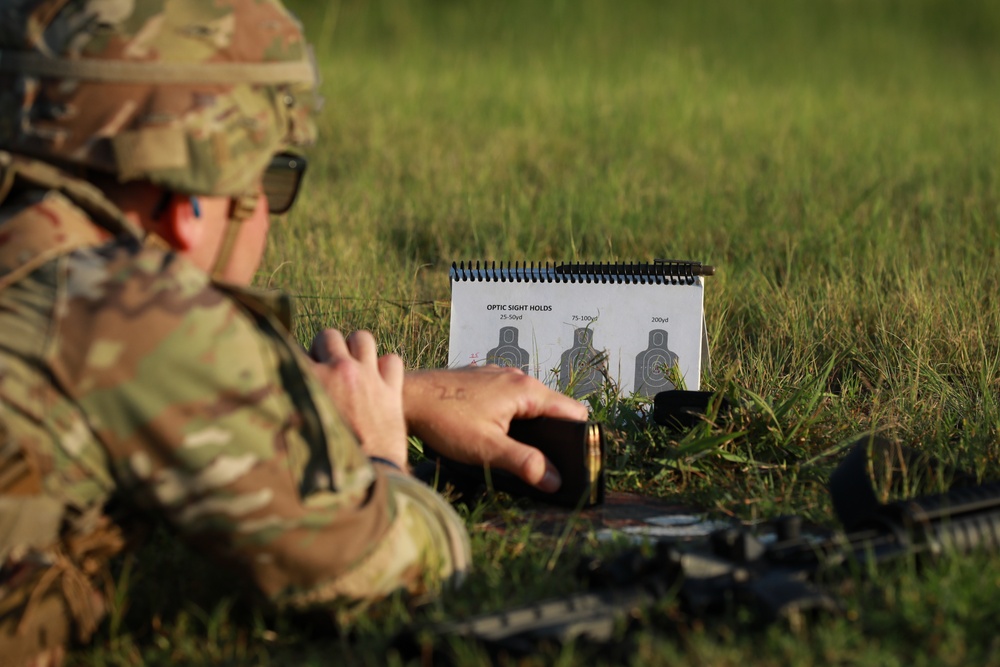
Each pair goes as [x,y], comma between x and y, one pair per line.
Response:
[582,365]
[652,365]
[508,352]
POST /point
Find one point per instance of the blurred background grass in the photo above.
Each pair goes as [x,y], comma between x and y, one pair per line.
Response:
[837,160]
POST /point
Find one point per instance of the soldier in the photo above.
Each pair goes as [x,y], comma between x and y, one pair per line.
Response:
[143,144]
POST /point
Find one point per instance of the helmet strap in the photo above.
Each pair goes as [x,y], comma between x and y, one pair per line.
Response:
[241,209]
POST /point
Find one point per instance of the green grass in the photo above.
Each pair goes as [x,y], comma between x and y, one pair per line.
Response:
[836,159]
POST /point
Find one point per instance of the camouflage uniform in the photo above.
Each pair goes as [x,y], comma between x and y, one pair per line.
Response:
[125,372]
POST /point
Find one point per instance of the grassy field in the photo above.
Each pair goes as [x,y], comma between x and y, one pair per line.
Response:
[838,160]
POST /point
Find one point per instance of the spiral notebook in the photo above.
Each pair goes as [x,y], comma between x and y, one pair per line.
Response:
[576,326]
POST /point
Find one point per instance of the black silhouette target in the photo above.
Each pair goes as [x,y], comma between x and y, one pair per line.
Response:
[582,366]
[652,365]
[508,352]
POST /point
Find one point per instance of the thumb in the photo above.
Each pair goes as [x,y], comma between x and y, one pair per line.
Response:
[527,463]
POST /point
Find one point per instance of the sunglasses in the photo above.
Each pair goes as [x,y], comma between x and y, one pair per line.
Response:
[282,179]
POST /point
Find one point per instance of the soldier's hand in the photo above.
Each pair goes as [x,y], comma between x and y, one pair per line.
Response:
[465,413]
[366,389]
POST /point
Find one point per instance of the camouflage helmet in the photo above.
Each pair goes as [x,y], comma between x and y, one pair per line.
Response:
[195,96]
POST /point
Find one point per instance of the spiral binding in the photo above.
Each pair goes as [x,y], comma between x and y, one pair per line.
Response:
[660,272]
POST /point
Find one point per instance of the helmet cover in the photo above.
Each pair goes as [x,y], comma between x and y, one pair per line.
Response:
[194,96]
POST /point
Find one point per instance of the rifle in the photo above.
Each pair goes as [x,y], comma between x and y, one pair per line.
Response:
[775,572]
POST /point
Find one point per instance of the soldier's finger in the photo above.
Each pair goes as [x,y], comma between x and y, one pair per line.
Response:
[529,464]
[390,367]
[524,461]
[496,368]
[362,347]
[565,407]
[534,399]
[329,345]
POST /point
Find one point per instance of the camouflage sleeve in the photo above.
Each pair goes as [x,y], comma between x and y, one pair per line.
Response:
[210,416]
